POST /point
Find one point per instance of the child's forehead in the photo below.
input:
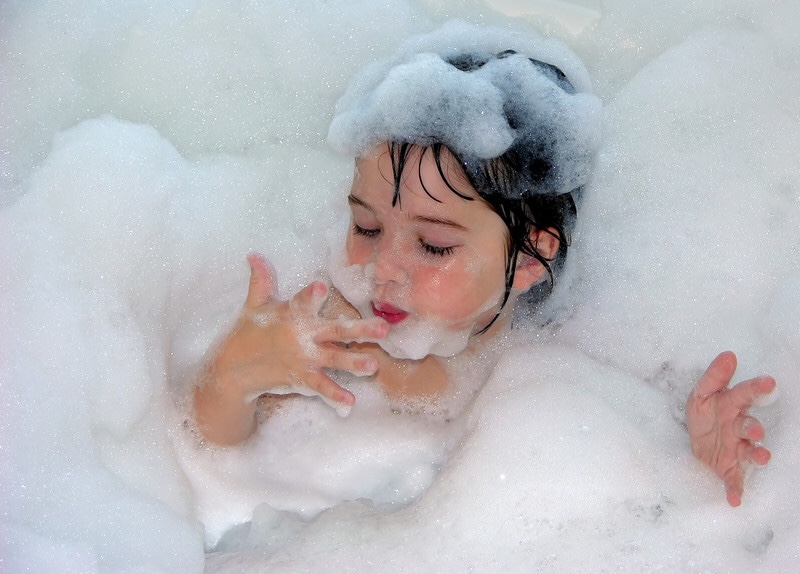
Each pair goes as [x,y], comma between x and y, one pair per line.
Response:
[437,174]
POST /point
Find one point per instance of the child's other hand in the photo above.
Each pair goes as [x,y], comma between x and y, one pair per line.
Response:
[723,435]
[282,345]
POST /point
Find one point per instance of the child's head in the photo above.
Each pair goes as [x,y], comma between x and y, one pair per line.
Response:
[480,149]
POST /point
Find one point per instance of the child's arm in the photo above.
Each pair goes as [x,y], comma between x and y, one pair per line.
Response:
[722,434]
[275,346]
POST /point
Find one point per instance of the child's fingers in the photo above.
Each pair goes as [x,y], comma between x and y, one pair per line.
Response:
[262,282]
[325,386]
[358,330]
[359,364]
[748,453]
[734,489]
[309,300]
[748,428]
[759,456]
[733,478]
[717,376]
[745,393]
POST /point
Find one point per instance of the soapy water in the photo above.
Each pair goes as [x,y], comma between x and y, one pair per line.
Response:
[123,244]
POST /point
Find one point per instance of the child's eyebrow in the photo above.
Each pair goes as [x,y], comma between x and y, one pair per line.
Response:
[353,200]
[440,221]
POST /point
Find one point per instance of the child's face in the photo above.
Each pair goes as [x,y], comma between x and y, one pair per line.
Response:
[440,260]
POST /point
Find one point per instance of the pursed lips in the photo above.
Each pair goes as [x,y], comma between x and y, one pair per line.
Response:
[389,313]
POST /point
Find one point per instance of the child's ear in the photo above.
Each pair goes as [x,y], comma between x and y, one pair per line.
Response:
[530,270]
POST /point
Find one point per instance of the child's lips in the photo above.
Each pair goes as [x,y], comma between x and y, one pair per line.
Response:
[389,313]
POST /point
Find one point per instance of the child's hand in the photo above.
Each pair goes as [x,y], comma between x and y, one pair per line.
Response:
[722,434]
[279,347]
[280,343]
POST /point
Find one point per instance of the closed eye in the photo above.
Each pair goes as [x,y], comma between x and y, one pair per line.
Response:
[363,231]
[436,250]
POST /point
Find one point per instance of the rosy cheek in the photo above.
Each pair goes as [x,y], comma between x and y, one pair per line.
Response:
[466,287]
[436,289]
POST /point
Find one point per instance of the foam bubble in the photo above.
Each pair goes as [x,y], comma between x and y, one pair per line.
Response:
[305,458]
[123,260]
[419,97]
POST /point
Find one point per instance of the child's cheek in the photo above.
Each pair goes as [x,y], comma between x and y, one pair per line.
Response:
[429,295]
[444,291]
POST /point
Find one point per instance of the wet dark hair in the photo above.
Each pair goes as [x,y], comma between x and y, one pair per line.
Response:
[511,184]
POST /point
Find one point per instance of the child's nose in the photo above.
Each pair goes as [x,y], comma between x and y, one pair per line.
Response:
[389,263]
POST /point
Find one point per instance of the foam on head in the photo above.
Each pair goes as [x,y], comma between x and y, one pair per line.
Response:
[511,95]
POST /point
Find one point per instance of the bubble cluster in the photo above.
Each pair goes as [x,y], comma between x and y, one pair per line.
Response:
[122,247]
[481,107]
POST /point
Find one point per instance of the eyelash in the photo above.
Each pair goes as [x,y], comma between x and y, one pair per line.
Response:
[428,248]
[358,230]
[435,250]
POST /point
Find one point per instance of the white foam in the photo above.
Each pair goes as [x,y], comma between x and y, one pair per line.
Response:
[123,257]
[419,97]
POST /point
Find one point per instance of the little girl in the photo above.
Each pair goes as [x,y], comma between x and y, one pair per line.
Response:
[469,158]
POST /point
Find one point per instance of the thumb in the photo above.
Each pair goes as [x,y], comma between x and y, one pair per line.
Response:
[262,281]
